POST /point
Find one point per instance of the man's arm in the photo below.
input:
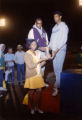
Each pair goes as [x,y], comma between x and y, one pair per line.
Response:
[54,53]
[62,39]
[47,42]
[15,57]
[42,49]
[30,34]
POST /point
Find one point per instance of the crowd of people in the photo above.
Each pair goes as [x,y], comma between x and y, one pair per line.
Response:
[7,64]
[39,51]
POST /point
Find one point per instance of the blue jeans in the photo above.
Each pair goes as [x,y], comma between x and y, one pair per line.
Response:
[12,73]
[20,69]
[1,77]
[58,65]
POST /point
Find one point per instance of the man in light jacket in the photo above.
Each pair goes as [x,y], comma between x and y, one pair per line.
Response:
[58,46]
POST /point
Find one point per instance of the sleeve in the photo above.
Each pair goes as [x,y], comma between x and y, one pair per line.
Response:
[5,58]
[29,61]
[63,37]
[47,42]
[42,63]
[31,34]
[24,52]
[50,42]
[15,57]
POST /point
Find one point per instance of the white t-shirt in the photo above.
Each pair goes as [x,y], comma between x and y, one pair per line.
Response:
[19,57]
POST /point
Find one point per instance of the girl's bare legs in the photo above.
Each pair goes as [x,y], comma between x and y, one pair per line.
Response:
[39,91]
[31,98]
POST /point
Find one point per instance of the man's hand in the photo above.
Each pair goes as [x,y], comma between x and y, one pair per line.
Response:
[4,70]
[11,61]
[44,59]
[42,49]
[54,53]
[6,63]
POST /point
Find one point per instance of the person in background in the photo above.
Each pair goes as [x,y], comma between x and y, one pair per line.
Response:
[58,46]
[39,34]
[79,58]
[9,60]
[2,63]
[7,73]
[19,60]
[34,80]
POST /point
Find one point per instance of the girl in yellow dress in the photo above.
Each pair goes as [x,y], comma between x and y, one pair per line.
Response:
[34,80]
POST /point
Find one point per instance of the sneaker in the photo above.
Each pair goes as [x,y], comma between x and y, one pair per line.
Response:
[3,89]
[1,95]
[40,111]
[47,85]
[32,112]
[55,93]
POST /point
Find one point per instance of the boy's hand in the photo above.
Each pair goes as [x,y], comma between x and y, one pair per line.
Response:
[6,63]
[53,55]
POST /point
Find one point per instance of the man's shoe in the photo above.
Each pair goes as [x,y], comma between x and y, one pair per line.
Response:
[39,111]
[55,93]
[1,95]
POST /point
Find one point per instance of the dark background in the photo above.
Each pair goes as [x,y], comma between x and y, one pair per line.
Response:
[21,15]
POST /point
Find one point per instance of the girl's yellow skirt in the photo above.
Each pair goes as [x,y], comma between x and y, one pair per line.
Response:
[34,82]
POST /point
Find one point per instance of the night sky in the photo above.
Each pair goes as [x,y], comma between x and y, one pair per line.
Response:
[21,15]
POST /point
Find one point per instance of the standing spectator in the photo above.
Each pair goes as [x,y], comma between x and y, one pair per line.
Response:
[79,58]
[2,63]
[19,59]
[10,59]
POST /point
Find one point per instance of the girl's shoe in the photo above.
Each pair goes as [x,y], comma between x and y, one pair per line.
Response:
[32,111]
[39,111]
